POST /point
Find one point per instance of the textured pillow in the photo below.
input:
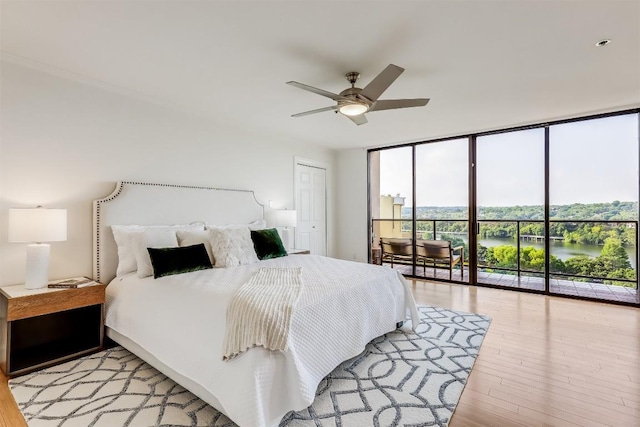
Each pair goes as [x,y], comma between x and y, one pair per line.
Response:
[122,236]
[168,261]
[232,246]
[268,244]
[150,238]
[190,238]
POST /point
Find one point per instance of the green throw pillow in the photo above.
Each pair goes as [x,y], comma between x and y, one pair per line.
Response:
[267,244]
[168,261]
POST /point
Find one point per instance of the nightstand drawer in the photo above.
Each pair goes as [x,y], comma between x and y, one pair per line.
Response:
[53,302]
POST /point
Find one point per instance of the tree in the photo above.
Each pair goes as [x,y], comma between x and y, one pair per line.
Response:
[506,255]
[614,253]
[531,258]
[581,264]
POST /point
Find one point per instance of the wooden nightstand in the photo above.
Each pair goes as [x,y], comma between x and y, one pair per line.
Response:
[42,327]
[299,252]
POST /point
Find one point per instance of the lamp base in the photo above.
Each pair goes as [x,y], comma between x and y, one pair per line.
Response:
[37,275]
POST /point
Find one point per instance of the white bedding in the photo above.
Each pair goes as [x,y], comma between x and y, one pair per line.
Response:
[180,320]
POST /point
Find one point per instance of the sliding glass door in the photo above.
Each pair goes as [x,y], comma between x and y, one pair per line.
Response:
[593,220]
[442,209]
[510,209]
[391,196]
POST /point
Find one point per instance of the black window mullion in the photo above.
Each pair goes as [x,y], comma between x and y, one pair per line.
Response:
[547,233]
[413,210]
[472,215]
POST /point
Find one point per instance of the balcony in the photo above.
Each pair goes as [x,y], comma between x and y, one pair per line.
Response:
[589,259]
[559,286]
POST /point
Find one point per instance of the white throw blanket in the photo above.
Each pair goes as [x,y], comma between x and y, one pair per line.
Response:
[260,312]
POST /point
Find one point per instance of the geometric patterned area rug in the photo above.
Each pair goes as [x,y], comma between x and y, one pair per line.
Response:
[403,378]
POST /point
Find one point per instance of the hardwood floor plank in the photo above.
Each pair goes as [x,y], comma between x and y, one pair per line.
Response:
[485,414]
[561,361]
[545,419]
[9,413]
[568,410]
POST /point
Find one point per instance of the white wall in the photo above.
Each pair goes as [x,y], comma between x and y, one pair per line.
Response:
[64,143]
[351,205]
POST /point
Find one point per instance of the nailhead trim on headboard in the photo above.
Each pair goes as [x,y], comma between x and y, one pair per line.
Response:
[118,190]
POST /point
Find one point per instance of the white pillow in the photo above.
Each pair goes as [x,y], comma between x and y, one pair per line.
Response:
[232,246]
[122,235]
[259,224]
[150,238]
[126,259]
[189,238]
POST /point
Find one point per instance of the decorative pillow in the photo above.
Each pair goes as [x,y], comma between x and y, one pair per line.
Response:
[122,236]
[150,238]
[268,244]
[168,261]
[189,238]
[232,246]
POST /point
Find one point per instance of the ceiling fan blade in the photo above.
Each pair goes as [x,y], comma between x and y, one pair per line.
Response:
[319,110]
[382,81]
[359,120]
[333,96]
[390,104]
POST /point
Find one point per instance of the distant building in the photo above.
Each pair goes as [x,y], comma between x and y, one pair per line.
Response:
[390,208]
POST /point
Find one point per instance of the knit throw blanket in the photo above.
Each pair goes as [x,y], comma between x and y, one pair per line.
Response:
[259,313]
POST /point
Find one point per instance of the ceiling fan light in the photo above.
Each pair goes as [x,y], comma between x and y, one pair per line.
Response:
[353,109]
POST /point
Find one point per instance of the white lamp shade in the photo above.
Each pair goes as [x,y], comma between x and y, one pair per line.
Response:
[285,218]
[28,225]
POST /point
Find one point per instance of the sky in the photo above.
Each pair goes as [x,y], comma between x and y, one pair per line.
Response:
[590,161]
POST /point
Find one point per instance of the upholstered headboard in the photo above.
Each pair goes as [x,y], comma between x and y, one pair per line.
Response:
[163,204]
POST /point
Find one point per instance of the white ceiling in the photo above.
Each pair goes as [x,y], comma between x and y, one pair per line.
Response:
[484,64]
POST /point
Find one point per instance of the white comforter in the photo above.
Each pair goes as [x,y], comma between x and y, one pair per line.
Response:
[180,320]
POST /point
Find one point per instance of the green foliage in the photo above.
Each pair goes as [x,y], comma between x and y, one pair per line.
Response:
[613,250]
[612,263]
[505,255]
[580,233]
[615,210]
[533,259]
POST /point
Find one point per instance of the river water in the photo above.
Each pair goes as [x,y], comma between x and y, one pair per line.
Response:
[559,249]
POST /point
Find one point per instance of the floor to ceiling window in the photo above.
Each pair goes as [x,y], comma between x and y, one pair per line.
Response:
[442,207]
[510,209]
[593,198]
[391,195]
[550,208]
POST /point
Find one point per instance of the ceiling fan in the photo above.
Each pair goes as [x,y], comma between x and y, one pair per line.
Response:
[354,102]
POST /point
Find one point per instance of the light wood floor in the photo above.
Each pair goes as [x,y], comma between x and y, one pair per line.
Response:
[546,361]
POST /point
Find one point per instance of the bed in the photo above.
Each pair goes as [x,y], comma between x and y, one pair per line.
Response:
[177,323]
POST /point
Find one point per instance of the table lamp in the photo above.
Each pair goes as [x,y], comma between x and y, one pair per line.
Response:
[35,226]
[285,218]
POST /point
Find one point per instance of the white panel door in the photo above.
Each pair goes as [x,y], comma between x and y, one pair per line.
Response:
[311,205]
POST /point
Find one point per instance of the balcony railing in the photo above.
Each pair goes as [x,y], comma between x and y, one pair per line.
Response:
[447,229]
